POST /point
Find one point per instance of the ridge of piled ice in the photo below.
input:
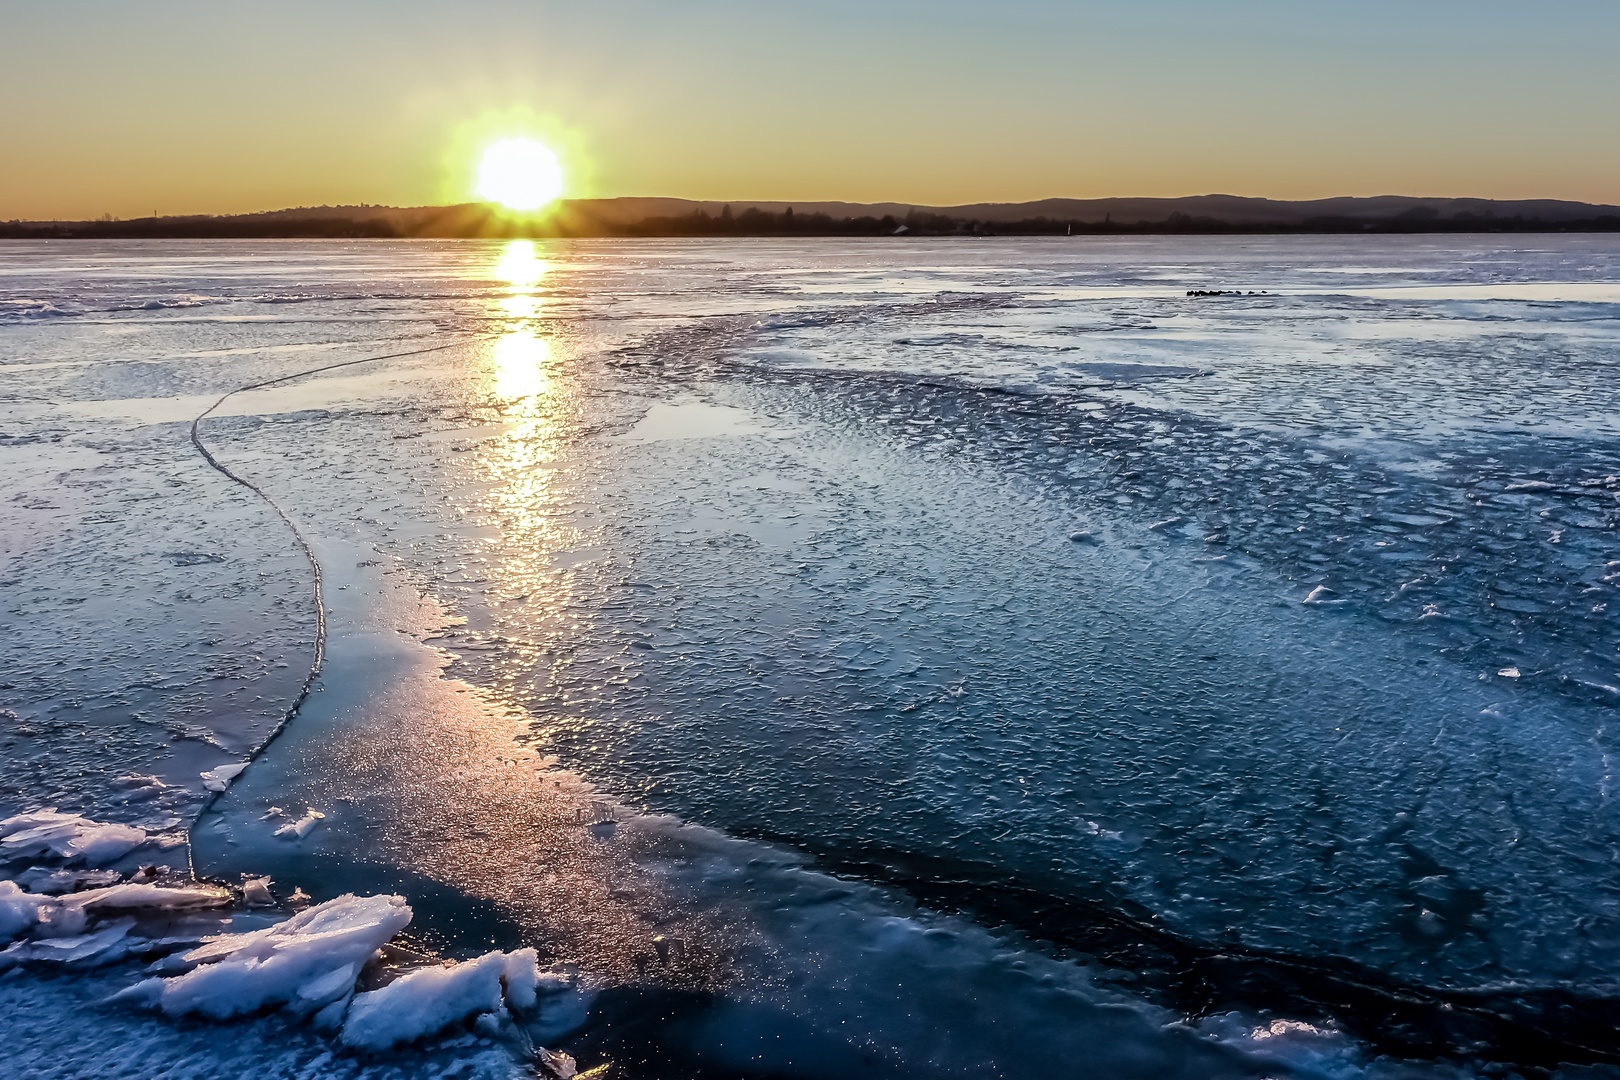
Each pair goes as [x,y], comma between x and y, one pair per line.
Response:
[67,836]
[302,964]
[428,1000]
[19,911]
[53,880]
[68,915]
[102,945]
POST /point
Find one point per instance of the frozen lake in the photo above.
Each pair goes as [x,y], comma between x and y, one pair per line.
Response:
[1146,657]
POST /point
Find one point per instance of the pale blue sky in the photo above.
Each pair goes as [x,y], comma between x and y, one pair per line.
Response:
[126,106]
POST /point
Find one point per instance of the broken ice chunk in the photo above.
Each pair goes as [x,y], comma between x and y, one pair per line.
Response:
[67,836]
[297,830]
[219,779]
[330,987]
[256,892]
[103,946]
[557,1063]
[159,897]
[19,911]
[140,787]
[521,978]
[1322,596]
[64,917]
[293,964]
[40,879]
[428,1000]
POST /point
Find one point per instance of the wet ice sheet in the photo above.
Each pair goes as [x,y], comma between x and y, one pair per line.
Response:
[867,635]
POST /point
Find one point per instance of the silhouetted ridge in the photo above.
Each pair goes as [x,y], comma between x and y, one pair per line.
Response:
[683,217]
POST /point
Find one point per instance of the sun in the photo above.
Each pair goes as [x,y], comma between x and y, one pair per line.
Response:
[520,174]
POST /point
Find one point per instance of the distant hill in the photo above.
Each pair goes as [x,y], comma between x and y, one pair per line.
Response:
[685,217]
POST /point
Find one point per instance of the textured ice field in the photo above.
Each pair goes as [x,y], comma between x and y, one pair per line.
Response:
[1146,670]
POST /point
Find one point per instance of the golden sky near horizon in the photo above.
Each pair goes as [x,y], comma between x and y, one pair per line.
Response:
[129,108]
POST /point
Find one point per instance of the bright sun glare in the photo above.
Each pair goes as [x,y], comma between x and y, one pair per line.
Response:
[520,174]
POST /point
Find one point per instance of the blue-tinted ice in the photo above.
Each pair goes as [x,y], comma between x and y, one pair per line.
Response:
[1004,575]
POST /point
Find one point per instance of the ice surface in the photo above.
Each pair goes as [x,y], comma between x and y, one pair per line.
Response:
[856,625]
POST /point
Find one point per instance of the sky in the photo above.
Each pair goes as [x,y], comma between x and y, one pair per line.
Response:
[135,107]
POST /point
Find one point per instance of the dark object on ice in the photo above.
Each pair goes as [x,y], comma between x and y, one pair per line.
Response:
[1213,292]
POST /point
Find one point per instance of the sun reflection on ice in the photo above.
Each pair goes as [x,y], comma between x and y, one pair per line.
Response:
[521,358]
[539,405]
[520,266]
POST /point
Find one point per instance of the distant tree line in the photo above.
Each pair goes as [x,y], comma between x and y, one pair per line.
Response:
[201,228]
[475,221]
